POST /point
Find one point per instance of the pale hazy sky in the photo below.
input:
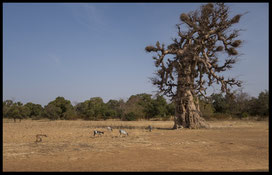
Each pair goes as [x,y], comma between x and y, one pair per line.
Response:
[84,50]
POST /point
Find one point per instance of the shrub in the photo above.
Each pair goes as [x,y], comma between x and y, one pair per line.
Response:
[221,116]
[38,117]
[129,117]
[244,115]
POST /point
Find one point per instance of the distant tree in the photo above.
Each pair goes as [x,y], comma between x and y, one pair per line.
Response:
[192,60]
[225,104]
[8,102]
[161,104]
[6,106]
[129,116]
[253,106]
[115,109]
[206,107]
[144,106]
[137,105]
[83,110]
[258,106]
[93,109]
[231,104]
[17,111]
[263,103]
[158,107]
[171,109]
[219,103]
[99,107]
[52,112]
[241,104]
[60,108]
[33,110]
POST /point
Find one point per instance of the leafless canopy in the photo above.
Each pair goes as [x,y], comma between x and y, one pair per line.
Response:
[194,53]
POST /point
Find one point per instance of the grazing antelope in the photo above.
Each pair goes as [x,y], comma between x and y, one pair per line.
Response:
[123,132]
[109,128]
[39,137]
[98,132]
[149,128]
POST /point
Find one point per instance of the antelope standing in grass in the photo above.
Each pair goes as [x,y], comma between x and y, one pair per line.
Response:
[123,132]
[39,137]
[109,128]
[149,128]
[98,132]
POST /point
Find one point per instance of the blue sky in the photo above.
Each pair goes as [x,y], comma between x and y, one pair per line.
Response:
[84,50]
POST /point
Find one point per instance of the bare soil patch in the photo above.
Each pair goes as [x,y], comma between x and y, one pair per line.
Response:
[71,146]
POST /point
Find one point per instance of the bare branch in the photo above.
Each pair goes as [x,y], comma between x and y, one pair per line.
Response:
[195,51]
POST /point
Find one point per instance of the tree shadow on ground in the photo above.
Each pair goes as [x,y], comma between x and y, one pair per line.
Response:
[165,128]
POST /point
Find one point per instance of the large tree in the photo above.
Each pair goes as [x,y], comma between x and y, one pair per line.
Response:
[17,111]
[60,108]
[193,60]
[92,109]
[34,110]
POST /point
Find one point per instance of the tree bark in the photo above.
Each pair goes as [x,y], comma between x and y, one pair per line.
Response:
[187,112]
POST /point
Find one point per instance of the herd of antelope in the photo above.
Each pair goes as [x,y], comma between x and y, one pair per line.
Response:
[121,131]
[96,132]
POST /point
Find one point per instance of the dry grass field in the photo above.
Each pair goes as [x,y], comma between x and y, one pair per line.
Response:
[71,146]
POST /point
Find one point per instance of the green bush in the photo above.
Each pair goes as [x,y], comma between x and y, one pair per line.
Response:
[38,117]
[244,115]
[206,109]
[129,116]
[221,116]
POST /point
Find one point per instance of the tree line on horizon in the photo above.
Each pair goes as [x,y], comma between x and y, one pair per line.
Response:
[137,107]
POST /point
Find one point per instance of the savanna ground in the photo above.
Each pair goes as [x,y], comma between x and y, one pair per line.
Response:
[71,146]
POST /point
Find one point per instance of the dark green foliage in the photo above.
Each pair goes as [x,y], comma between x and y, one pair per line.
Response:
[143,106]
[219,103]
[206,108]
[15,111]
[263,103]
[160,105]
[253,106]
[170,109]
[157,108]
[129,116]
[115,108]
[241,104]
[93,109]
[260,105]
[6,106]
[33,110]
[244,115]
[59,109]
[139,106]
[52,112]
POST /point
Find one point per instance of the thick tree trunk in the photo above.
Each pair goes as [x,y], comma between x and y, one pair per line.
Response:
[187,113]
[187,109]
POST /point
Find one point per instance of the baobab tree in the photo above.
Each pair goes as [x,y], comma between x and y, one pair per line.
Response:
[193,63]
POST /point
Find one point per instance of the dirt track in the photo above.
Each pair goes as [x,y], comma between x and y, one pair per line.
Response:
[70,146]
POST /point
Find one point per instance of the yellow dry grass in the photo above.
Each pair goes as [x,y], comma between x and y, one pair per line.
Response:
[71,146]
